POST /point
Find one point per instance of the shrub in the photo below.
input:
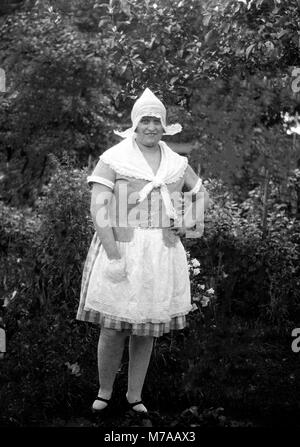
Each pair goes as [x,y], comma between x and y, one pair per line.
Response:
[18,230]
[254,277]
[44,340]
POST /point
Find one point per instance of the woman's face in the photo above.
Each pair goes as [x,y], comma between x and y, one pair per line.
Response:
[149,131]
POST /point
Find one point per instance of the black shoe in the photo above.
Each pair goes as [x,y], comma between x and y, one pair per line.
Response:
[134,404]
[139,417]
[102,410]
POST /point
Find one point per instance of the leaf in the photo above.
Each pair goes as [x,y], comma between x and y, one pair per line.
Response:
[123,68]
[125,7]
[150,44]
[226,27]
[282,33]
[103,22]
[211,37]
[206,19]
[249,49]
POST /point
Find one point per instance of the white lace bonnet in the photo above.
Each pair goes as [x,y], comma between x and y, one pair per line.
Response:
[149,105]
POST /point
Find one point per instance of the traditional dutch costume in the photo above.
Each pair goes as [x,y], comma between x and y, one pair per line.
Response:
[154,297]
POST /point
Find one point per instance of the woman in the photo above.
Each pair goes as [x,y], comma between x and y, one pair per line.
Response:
[135,281]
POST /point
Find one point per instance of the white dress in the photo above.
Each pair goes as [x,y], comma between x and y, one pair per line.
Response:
[156,288]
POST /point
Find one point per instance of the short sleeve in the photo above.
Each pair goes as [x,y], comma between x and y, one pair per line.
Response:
[103,174]
[192,182]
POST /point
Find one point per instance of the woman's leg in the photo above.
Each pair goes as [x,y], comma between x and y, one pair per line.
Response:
[140,349]
[110,350]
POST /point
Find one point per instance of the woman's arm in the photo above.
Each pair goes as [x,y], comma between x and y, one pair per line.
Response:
[103,180]
[100,203]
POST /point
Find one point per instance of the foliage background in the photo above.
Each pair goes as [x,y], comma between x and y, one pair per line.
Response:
[226,72]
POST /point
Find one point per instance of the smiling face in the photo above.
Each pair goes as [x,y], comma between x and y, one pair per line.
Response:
[149,131]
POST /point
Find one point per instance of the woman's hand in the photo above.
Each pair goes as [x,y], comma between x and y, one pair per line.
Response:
[177,229]
[115,269]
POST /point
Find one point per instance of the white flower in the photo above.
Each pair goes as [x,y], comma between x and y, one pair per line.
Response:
[196,272]
[211,290]
[195,262]
[74,368]
[205,300]
[201,286]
